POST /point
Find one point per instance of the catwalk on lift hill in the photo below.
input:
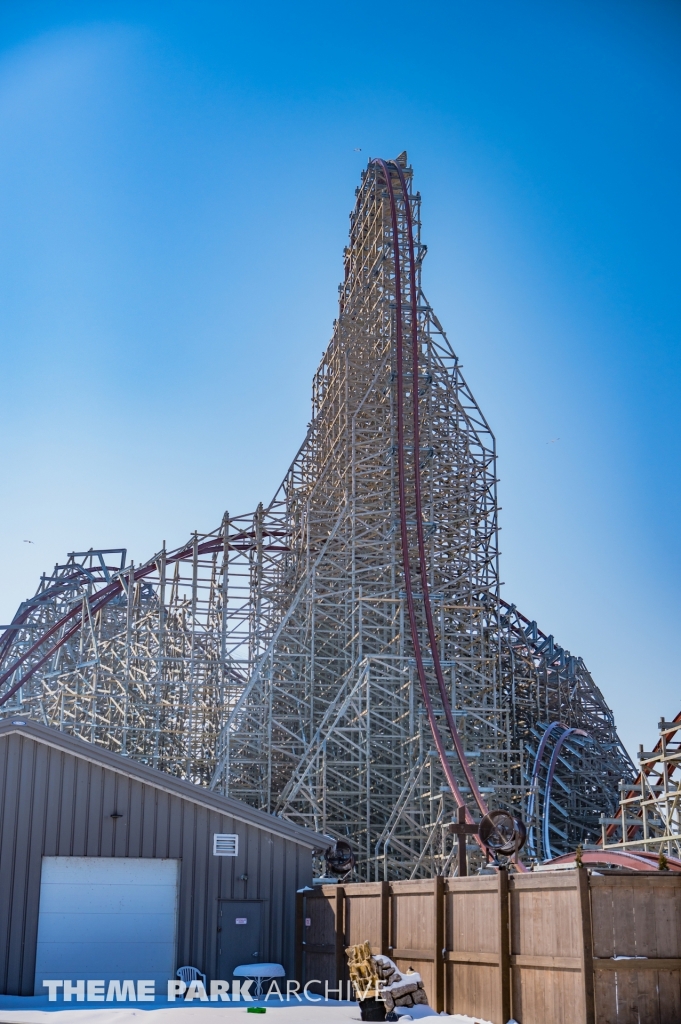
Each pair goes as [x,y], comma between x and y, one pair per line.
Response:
[342,656]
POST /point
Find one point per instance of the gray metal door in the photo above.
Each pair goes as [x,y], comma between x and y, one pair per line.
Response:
[240,936]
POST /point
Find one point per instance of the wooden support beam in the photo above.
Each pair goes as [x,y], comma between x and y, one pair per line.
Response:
[340,934]
[439,941]
[385,918]
[504,933]
[587,945]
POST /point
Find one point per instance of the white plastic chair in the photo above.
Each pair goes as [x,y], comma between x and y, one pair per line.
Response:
[187,974]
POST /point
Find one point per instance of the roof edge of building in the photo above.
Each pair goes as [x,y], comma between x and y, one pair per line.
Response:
[161,780]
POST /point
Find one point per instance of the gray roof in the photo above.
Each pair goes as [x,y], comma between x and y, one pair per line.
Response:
[160,780]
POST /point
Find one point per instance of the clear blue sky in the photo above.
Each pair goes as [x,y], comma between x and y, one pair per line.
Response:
[175,183]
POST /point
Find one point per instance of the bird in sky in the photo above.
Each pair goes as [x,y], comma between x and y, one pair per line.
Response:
[553,440]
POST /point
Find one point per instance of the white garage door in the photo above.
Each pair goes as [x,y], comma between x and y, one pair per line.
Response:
[106,918]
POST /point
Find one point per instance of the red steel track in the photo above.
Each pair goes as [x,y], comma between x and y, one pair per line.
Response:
[635,860]
[402,484]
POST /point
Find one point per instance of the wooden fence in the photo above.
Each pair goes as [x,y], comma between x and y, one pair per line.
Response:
[541,948]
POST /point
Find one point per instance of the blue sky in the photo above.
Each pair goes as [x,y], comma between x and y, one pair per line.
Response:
[175,183]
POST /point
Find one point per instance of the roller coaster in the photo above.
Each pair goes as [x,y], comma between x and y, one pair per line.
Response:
[342,656]
[649,819]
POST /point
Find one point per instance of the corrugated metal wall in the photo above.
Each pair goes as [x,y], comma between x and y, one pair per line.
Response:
[53,803]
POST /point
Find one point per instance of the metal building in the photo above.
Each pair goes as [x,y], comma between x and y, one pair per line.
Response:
[110,869]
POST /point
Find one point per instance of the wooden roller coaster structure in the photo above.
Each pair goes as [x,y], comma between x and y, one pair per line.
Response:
[342,656]
[649,818]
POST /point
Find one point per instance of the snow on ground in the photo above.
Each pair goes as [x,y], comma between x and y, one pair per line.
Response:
[324,1013]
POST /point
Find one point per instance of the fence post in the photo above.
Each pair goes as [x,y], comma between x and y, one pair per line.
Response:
[587,953]
[298,953]
[439,941]
[385,918]
[504,947]
[340,936]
